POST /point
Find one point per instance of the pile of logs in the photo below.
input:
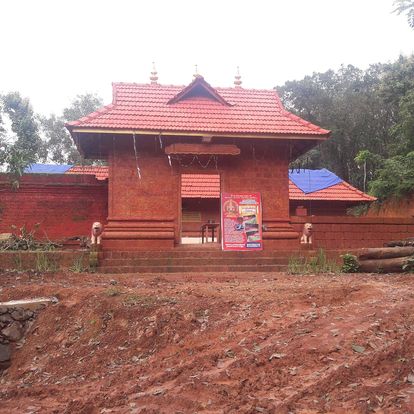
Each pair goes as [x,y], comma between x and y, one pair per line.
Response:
[397,256]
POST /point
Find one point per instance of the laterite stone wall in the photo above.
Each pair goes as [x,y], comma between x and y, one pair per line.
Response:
[334,232]
[64,205]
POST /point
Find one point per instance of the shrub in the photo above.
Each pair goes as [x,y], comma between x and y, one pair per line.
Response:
[350,263]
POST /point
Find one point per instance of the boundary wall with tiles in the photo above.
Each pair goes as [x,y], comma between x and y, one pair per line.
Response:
[67,205]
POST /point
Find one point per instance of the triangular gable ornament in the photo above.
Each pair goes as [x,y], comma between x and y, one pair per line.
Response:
[198,87]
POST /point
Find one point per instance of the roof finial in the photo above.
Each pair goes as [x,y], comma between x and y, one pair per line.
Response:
[196,74]
[154,74]
[237,79]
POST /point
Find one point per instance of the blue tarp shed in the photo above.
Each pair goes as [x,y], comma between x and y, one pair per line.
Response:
[47,169]
[310,181]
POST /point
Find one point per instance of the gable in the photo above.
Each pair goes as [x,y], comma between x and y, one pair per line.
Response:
[198,88]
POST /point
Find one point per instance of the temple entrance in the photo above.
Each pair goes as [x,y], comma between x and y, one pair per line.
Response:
[200,208]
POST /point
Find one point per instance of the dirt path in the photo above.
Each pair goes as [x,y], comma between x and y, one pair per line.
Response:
[263,343]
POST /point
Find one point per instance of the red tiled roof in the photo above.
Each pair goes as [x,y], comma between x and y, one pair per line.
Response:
[208,186]
[338,192]
[197,108]
[99,171]
[200,185]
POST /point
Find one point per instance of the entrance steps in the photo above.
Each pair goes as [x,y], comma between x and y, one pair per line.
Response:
[196,259]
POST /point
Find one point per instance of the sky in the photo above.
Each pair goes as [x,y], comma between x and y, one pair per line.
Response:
[53,50]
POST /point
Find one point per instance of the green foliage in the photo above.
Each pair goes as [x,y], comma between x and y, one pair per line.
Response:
[18,262]
[371,116]
[93,261]
[348,103]
[22,145]
[78,264]
[82,105]
[315,264]
[350,263]
[35,138]
[24,239]
[369,162]
[61,148]
[406,7]
[45,262]
[395,178]
[358,210]
[296,265]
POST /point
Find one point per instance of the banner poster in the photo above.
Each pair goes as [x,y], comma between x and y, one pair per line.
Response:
[241,221]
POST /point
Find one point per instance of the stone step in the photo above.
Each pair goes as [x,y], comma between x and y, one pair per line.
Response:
[208,254]
[194,261]
[192,269]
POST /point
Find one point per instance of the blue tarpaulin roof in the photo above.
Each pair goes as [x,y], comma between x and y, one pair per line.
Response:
[47,168]
[310,181]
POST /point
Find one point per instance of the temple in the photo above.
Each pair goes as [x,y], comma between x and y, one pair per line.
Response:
[157,139]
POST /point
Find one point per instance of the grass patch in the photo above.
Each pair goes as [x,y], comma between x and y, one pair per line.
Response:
[18,262]
[77,265]
[315,264]
[296,265]
[45,263]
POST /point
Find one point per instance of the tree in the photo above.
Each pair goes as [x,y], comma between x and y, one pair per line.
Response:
[371,116]
[406,7]
[349,104]
[397,90]
[81,106]
[25,146]
[369,162]
[395,178]
[61,148]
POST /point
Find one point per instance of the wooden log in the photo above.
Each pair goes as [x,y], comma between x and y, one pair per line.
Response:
[400,243]
[386,252]
[394,265]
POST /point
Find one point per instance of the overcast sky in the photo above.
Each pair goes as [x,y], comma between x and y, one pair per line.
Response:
[54,49]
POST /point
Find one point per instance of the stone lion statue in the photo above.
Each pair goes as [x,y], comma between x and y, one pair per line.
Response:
[97,230]
[307,234]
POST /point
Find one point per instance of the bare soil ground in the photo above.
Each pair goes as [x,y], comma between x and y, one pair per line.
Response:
[256,343]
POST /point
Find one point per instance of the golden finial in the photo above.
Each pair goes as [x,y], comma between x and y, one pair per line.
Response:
[237,79]
[154,74]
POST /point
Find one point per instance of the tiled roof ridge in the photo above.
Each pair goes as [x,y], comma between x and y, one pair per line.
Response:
[323,194]
[91,116]
[361,193]
[170,85]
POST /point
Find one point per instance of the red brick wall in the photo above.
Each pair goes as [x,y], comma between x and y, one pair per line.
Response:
[146,213]
[263,167]
[400,207]
[330,232]
[155,194]
[143,212]
[64,205]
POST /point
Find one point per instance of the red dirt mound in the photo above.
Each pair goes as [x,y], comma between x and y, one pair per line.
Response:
[264,343]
